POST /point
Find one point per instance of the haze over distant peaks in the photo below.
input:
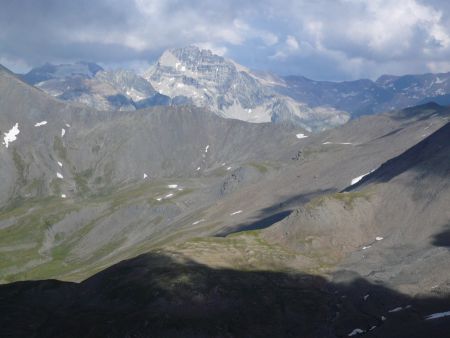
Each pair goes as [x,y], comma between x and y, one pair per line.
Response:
[194,76]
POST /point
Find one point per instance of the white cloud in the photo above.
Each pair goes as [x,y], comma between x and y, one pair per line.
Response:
[347,37]
[219,50]
[269,38]
[439,67]
[365,38]
[391,27]
[292,43]
[289,48]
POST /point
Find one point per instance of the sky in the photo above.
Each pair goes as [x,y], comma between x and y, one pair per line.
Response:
[320,39]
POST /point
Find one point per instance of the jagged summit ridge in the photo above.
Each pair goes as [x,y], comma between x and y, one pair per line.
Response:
[230,90]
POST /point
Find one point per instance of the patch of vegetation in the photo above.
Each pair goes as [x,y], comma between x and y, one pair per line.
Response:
[95,149]
[36,186]
[347,198]
[55,187]
[262,168]
[21,168]
[32,219]
[81,181]
[59,148]
[245,251]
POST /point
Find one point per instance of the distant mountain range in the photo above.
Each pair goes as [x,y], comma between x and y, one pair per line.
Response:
[365,97]
[192,76]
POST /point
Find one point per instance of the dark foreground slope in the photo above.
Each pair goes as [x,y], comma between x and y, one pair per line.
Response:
[167,295]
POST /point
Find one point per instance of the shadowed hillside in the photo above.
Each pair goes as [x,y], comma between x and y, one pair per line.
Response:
[165,295]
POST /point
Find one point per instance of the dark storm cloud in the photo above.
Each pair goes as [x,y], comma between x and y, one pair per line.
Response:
[326,39]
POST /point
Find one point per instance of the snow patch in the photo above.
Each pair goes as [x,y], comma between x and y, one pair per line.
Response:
[198,168]
[145,176]
[439,80]
[300,136]
[67,125]
[397,309]
[355,332]
[60,164]
[206,148]
[63,132]
[345,143]
[172,186]
[42,123]
[11,135]
[438,315]
[63,196]
[366,297]
[59,175]
[379,238]
[199,221]
[229,168]
[359,178]
[236,213]
[366,247]
[168,195]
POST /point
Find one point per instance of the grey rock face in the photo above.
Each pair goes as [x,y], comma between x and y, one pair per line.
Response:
[185,76]
[113,147]
[233,91]
[89,84]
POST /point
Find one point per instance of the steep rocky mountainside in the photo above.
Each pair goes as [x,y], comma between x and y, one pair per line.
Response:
[74,167]
[89,84]
[233,91]
[184,76]
[173,221]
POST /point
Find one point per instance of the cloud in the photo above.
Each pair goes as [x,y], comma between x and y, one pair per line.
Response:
[218,50]
[290,48]
[292,43]
[323,39]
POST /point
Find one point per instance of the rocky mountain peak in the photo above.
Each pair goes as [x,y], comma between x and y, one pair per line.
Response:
[128,83]
[231,90]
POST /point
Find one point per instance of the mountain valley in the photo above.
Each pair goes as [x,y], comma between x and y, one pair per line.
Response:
[172,220]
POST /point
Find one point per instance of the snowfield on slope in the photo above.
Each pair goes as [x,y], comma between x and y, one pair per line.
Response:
[11,135]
